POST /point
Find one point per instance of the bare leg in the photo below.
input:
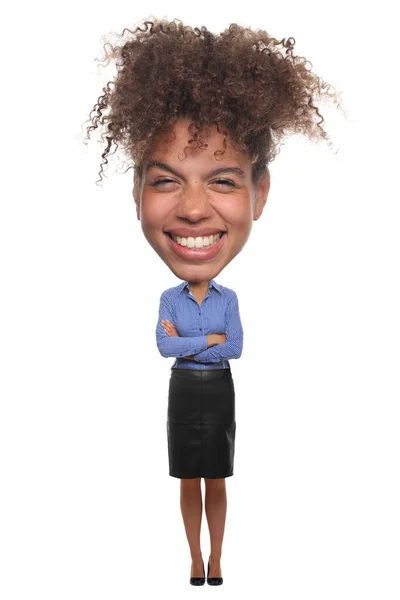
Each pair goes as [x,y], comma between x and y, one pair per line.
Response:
[215,506]
[192,508]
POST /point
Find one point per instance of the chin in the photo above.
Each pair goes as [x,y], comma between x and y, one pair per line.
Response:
[195,272]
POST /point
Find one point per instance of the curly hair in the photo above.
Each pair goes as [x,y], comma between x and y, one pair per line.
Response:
[238,80]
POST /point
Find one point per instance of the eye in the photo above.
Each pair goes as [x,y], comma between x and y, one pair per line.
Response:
[224,182]
[161,182]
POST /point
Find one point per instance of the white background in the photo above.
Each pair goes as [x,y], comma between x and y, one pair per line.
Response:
[88,510]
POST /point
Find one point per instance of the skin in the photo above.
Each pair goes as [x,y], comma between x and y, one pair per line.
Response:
[192,196]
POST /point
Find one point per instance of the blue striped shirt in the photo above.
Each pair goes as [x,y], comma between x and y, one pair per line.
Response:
[218,313]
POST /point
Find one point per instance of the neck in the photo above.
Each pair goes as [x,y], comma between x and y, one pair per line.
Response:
[199,286]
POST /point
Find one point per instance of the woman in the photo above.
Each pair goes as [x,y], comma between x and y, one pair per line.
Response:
[201,406]
[201,116]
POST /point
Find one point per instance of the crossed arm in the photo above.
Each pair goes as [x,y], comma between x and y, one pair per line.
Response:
[207,348]
[213,339]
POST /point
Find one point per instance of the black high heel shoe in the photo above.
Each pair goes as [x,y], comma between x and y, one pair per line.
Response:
[213,580]
[198,580]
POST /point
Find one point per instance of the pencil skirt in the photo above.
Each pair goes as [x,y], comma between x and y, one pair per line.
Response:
[201,423]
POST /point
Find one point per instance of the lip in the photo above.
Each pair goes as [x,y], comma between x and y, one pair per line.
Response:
[194,232]
[196,253]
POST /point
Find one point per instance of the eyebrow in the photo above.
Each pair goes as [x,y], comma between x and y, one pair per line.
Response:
[236,170]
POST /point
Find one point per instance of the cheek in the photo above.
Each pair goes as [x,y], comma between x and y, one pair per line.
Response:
[152,213]
[239,216]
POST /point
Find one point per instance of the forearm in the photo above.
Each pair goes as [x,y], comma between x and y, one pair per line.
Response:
[174,345]
[180,346]
[213,339]
[230,349]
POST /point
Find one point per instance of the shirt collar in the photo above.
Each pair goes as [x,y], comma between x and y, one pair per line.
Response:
[212,283]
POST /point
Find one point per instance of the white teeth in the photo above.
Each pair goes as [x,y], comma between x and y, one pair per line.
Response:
[198,242]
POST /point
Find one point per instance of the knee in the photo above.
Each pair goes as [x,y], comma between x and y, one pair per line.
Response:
[190,484]
[215,484]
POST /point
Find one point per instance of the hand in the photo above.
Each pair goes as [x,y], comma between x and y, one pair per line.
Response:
[213,339]
[169,328]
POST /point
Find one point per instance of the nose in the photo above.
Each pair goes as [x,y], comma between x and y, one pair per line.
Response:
[193,203]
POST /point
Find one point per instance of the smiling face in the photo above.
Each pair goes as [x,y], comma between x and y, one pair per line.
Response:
[197,213]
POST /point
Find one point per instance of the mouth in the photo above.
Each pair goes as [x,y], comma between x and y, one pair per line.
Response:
[203,248]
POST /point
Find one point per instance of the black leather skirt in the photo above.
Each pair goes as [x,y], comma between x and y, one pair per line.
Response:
[201,423]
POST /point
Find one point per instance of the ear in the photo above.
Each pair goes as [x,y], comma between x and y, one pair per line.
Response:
[136,193]
[261,195]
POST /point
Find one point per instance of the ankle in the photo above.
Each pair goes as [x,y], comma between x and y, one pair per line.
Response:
[215,558]
[197,558]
